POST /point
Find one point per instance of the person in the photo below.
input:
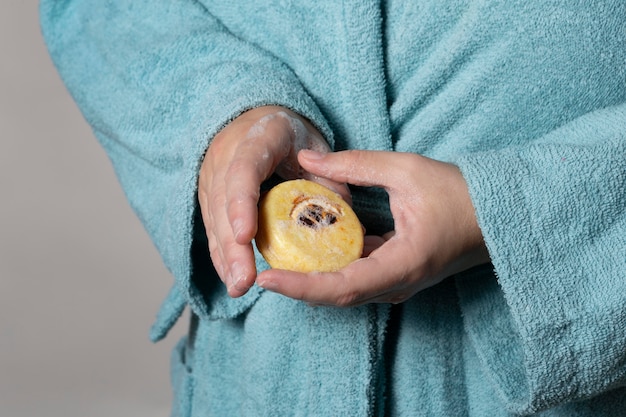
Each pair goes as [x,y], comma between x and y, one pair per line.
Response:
[481,143]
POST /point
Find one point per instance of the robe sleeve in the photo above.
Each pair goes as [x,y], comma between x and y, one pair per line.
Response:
[156,81]
[552,327]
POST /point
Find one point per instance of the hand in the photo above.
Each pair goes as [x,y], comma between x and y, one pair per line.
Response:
[256,144]
[436,231]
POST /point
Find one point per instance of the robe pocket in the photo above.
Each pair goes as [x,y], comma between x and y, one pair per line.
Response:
[182,381]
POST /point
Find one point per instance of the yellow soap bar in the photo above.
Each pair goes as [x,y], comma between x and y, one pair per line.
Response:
[305,227]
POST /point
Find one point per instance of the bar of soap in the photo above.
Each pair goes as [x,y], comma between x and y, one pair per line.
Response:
[305,227]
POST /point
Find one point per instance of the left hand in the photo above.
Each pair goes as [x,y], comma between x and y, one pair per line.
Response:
[242,155]
[436,233]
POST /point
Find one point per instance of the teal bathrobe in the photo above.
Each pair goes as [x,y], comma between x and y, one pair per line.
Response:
[528,98]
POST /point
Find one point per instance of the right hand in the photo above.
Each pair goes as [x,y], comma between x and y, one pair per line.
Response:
[246,152]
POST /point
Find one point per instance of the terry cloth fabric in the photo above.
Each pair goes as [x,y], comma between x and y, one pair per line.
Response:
[527,98]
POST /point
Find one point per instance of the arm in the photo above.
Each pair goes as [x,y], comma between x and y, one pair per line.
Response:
[552,328]
[553,214]
[149,77]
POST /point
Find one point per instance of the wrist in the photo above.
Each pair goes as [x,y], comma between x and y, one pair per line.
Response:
[475,251]
[470,245]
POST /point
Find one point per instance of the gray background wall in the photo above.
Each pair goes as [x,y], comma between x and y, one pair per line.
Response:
[79,280]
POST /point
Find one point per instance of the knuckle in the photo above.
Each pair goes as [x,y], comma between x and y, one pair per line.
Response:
[300,296]
[348,299]
[355,159]
[399,298]
[241,199]
[237,166]
[403,279]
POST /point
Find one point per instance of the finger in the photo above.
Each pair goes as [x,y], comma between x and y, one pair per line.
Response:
[215,249]
[366,279]
[233,262]
[207,220]
[319,288]
[371,243]
[241,268]
[216,258]
[254,161]
[340,188]
[299,285]
[363,168]
[236,259]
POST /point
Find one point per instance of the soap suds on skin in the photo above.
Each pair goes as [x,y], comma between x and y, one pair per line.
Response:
[302,139]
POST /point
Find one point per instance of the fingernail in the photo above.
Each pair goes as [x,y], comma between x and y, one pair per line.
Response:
[237,227]
[267,284]
[313,155]
[237,275]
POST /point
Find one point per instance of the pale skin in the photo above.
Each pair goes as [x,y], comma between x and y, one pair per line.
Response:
[436,233]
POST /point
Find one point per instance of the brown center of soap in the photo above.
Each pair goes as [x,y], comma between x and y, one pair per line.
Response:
[315,212]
